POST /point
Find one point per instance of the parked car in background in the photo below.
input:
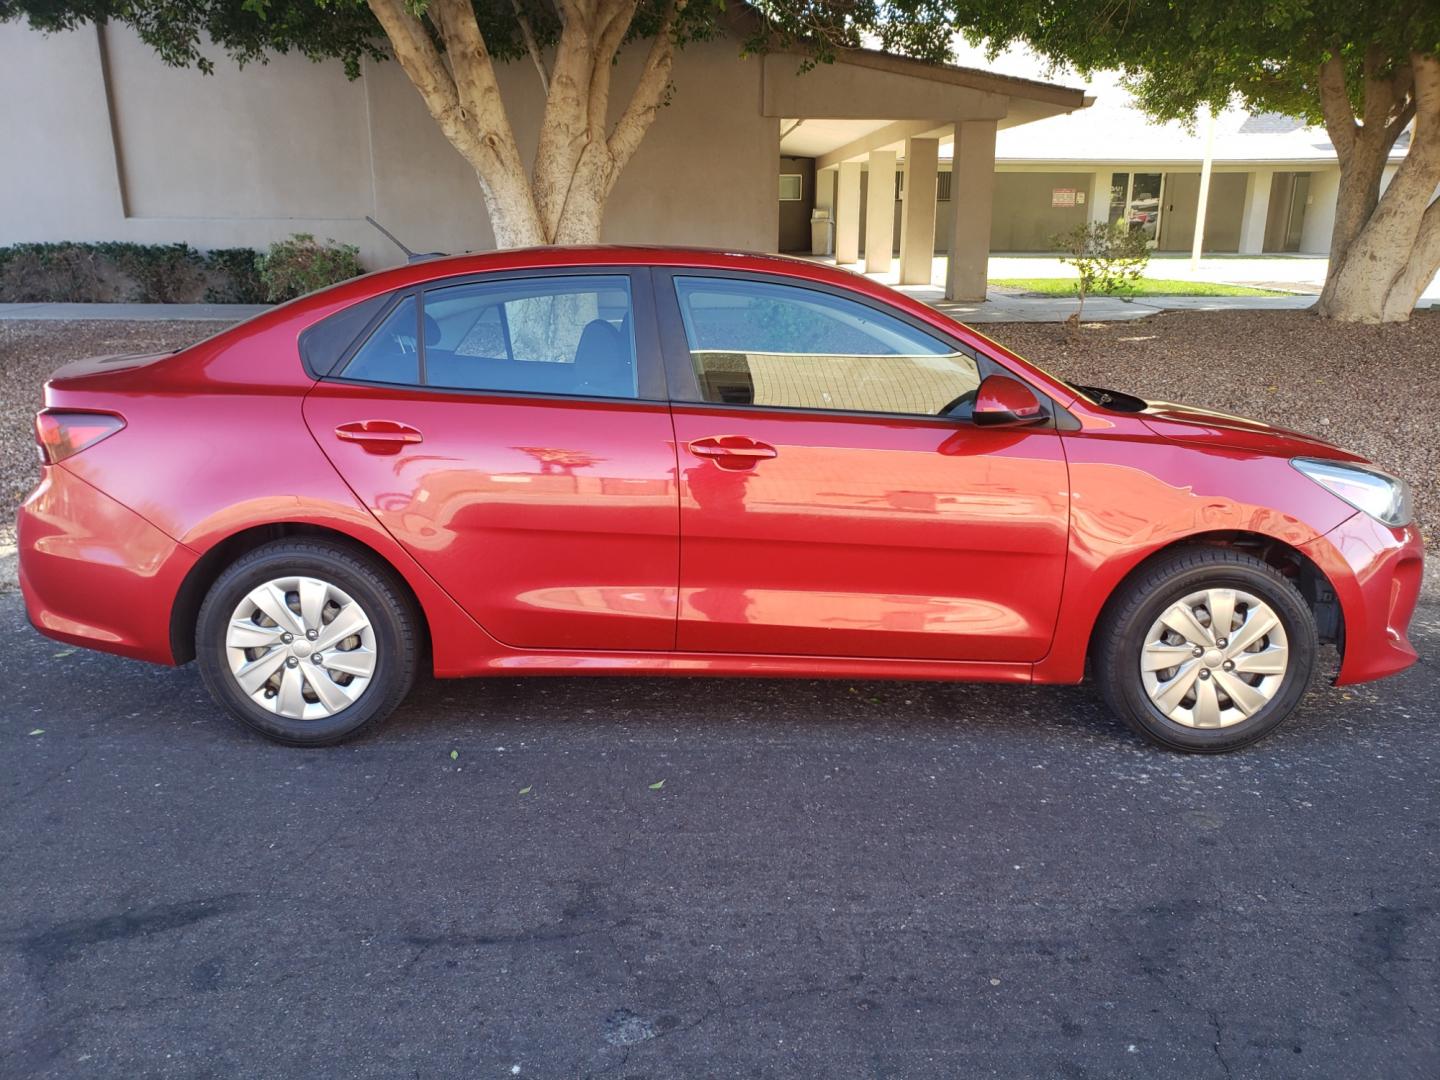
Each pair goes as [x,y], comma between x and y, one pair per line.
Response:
[651,461]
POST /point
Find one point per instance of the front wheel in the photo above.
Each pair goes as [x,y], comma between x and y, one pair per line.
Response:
[306,642]
[1207,650]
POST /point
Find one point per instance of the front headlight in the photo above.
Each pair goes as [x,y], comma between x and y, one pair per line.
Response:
[1382,496]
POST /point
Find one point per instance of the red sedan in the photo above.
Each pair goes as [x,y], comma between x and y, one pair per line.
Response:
[620,460]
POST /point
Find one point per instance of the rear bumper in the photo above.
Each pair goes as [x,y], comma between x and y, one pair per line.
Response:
[1376,574]
[95,573]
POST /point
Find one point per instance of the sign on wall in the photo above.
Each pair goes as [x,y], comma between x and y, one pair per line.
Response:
[1063,197]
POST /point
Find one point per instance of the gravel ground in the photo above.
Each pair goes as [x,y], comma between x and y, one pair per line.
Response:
[1374,390]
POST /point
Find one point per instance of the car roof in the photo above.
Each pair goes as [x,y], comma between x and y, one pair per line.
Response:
[551,257]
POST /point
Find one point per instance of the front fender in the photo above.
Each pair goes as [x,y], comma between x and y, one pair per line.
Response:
[1132,497]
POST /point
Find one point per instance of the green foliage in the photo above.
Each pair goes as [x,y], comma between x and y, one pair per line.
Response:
[249,31]
[117,271]
[1110,259]
[235,277]
[303,264]
[1179,58]
[162,273]
[40,273]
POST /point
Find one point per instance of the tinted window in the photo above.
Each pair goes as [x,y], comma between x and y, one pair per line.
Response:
[557,335]
[392,352]
[553,335]
[323,344]
[757,343]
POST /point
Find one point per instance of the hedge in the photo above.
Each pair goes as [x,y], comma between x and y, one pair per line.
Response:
[119,272]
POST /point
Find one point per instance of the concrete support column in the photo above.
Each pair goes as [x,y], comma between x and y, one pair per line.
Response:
[880,212]
[972,191]
[917,211]
[1257,208]
[1098,212]
[847,213]
[825,190]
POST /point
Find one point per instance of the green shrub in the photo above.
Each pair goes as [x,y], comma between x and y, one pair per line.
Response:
[234,276]
[303,264]
[1109,258]
[118,271]
[161,273]
[48,273]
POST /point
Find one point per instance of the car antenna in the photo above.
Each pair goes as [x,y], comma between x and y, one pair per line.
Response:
[410,256]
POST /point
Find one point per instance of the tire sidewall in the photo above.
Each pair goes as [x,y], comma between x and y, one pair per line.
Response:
[1299,627]
[393,643]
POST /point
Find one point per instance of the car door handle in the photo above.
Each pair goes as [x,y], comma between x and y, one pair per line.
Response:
[732,451]
[379,436]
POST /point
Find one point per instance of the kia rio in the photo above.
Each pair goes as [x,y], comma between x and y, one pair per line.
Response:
[620,460]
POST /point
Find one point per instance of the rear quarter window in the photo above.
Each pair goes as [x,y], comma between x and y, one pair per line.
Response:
[322,345]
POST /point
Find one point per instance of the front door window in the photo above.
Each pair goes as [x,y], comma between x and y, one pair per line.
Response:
[755,343]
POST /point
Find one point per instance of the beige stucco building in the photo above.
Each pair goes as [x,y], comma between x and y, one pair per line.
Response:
[103,141]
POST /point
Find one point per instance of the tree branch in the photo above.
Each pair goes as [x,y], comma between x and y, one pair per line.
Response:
[531,46]
[616,16]
[1335,104]
[421,61]
[649,93]
[464,98]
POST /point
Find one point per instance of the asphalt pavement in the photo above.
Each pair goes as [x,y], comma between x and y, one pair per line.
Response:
[653,878]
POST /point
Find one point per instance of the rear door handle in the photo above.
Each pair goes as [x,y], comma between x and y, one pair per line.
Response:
[379,436]
[732,451]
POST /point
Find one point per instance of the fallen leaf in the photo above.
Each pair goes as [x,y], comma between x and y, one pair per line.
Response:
[526,790]
[63,652]
[657,785]
[454,755]
[38,731]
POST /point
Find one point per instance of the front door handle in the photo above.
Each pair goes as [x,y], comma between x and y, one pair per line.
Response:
[732,451]
[379,436]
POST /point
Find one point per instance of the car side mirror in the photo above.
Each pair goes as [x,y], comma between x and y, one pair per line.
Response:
[1005,402]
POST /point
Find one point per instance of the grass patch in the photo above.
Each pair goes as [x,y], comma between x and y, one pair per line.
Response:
[1143,287]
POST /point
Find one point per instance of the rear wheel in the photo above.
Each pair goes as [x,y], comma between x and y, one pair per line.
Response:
[306,642]
[1208,650]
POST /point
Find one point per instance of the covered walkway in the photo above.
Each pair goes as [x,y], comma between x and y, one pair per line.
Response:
[861,142]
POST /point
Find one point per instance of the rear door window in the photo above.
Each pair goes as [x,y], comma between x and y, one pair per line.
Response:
[544,335]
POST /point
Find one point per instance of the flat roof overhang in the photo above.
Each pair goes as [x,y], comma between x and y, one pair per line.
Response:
[874,101]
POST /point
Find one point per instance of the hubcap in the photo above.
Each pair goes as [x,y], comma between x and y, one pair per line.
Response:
[1214,658]
[301,648]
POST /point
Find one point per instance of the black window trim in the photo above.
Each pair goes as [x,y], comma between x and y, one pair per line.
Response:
[651,384]
[685,386]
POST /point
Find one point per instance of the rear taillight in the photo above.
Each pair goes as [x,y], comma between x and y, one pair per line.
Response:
[61,433]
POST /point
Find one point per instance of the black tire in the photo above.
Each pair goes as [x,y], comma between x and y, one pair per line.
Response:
[378,593]
[1121,633]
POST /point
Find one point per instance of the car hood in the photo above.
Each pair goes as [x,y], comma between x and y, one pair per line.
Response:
[1204,427]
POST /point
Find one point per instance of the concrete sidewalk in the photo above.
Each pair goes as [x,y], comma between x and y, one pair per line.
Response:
[1000,307]
[1006,307]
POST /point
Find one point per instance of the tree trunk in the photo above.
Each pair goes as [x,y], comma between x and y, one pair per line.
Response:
[1385,248]
[579,155]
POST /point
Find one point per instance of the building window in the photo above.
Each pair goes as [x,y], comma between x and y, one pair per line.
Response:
[792,187]
[942,186]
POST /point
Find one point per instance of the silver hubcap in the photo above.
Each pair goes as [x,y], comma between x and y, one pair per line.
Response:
[1214,658]
[301,648]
